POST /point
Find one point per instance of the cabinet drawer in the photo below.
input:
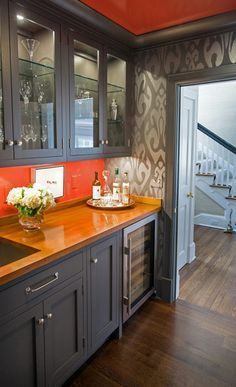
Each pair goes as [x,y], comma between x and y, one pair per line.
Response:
[32,287]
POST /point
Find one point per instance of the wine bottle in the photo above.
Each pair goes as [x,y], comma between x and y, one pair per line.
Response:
[116,186]
[96,188]
[125,189]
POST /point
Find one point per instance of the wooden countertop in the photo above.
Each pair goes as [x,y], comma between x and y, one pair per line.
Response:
[67,230]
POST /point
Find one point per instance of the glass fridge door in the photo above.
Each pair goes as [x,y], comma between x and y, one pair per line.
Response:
[138,265]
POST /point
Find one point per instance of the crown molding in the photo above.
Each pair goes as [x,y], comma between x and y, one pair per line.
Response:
[217,23]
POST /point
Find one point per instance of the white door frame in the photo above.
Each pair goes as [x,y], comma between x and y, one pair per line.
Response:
[223,73]
[186,186]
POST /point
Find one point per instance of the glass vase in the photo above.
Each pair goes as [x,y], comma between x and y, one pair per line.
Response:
[31,223]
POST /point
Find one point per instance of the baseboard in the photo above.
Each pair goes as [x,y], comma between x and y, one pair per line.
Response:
[209,220]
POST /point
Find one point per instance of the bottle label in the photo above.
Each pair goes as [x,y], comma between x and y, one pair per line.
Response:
[116,191]
[125,193]
[96,192]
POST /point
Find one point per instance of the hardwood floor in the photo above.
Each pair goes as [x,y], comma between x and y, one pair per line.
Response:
[210,281]
[191,343]
[167,345]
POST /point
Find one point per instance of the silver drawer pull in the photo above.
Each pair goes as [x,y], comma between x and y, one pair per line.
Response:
[29,290]
[49,316]
[94,260]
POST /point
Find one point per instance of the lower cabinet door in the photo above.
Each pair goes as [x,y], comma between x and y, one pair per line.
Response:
[22,351]
[64,332]
[102,291]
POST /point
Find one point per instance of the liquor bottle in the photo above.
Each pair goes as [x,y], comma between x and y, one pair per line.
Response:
[125,189]
[96,188]
[116,186]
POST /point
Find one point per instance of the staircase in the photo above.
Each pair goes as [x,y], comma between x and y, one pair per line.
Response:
[216,178]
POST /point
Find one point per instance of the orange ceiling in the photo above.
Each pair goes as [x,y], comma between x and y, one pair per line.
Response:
[140,16]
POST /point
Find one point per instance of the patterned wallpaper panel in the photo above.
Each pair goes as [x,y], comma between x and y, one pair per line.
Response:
[146,167]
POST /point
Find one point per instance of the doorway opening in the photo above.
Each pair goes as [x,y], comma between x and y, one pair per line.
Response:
[206,211]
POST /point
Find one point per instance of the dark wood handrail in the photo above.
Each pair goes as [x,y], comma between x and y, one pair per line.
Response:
[216,138]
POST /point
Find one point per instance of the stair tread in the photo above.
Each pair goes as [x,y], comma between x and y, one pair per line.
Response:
[204,174]
[225,186]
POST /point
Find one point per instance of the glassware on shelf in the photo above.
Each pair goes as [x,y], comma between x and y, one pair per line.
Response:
[33,135]
[31,46]
[25,90]
[25,132]
[1,136]
[41,92]
[105,188]
[44,135]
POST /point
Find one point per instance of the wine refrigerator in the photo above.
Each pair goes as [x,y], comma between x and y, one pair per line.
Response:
[139,264]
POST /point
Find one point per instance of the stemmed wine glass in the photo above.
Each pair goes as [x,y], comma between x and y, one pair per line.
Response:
[1,136]
[25,132]
[25,90]
[31,46]
[41,92]
[44,135]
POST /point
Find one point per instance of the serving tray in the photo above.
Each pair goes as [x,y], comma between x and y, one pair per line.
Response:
[109,206]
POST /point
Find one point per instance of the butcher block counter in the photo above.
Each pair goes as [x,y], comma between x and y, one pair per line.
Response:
[67,229]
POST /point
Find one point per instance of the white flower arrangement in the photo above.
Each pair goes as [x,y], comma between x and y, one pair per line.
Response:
[32,200]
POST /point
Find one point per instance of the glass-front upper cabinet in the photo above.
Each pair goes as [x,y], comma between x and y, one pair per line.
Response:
[6,137]
[116,115]
[85,118]
[36,85]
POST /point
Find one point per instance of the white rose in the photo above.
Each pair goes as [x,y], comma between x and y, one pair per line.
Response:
[32,198]
[15,196]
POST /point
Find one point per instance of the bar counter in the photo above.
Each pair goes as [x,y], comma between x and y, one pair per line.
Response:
[68,229]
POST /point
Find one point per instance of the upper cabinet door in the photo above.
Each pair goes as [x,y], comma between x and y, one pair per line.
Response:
[36,80]
[85,97]
[6,137]
[116,128]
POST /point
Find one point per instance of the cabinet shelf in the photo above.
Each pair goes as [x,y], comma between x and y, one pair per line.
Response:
[34,69]
[111,88]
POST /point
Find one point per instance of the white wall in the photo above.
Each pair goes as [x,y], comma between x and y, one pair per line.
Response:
[217,109]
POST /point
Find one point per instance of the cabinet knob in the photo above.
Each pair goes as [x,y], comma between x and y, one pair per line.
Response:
[102,142]
[40,321]
[49,316]
[106,142]
[94,260]
[9,142]
[18,142]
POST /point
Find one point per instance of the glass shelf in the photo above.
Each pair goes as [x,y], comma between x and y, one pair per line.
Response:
[115,122]
[34,69]
[115,89]
[91,85]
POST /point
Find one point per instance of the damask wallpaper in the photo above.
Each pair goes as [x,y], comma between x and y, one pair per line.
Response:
[146,167]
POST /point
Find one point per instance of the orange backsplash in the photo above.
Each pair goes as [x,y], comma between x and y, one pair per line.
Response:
[77,180]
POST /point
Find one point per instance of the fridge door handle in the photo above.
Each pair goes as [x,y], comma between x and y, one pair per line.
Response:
[129,274]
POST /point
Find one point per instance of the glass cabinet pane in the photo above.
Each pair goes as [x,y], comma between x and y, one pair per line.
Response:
[142,261]
[36,60]
[86,96]
[116,100]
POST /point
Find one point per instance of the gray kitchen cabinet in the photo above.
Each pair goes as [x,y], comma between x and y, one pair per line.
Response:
[22,350]
[64,332]
[43,340]
[103,291]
